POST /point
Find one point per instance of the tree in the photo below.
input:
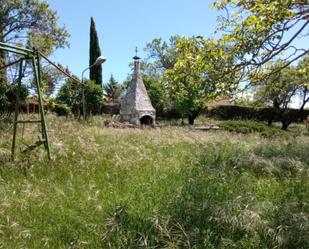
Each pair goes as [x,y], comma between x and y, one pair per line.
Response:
[93,97]
[157,92]
[261,31]
[8,97]
[194,78]
[71,95]
[112,90]
[162,55]
[281,87]
[95,73]
[30,23]
[51,77]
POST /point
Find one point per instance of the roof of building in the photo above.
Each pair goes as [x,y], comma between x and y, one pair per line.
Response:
[136,98]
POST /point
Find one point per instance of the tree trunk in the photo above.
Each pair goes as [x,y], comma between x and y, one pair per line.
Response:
[191,120]
[193,116]
[285,125]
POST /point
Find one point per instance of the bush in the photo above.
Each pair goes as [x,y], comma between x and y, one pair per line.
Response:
[252,113]
[8,96]
[3,99]
[243,126]
[248,126]
[70,94]
[62,110]
[94,97]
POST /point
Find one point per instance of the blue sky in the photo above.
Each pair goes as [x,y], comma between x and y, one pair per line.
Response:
[124,24]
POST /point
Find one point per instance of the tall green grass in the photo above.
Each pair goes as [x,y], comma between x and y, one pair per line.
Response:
[166,188]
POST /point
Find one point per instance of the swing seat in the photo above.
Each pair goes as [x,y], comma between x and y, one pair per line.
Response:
[33,146]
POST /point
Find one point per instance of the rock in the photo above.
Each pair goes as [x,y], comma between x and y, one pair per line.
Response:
[207,127]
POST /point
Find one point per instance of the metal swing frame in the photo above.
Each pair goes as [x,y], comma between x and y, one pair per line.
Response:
[34,56]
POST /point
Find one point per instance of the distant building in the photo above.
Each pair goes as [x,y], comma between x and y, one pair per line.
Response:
[222,101]
[31,105]
[136,107]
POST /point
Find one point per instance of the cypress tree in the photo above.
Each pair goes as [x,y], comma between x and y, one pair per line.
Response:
[95,73]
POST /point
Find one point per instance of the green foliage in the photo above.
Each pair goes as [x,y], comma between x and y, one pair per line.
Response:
[61,110]
[162,55]
[194,78]
[93,96]
[267,114]
[185,189]
[3,76]
[70,95]
[261,31]
[3,98]
[32,23]
[246,127]
[243,126]
[51,77]
[95,73]
[12,92]
[279,88]
[112,90]
[158,94]
[282,86]
[8,96]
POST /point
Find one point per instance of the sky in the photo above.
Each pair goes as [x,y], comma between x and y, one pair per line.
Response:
[123,25]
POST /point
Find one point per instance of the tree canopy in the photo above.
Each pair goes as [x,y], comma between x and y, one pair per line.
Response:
[71,95]
[162,54]
[281,88]
[95,72]
[261,31]
[194,78]
[112,90]
[32,23]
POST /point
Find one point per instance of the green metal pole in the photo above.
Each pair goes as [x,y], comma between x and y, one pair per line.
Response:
[36,68]
[15,47]
[19,52]
[17,104]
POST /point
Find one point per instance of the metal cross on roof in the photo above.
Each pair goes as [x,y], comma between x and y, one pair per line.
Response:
[136,56]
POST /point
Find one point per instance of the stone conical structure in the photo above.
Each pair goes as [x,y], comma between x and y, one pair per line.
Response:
[136,107]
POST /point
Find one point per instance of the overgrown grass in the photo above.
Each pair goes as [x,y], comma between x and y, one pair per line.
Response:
[167,188]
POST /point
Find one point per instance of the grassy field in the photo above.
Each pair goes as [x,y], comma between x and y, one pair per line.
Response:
[172,187]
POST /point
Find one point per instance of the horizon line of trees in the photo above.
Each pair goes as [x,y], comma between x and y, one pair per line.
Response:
[254,52]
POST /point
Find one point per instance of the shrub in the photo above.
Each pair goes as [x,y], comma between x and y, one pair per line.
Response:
[93,96]
[243,126]
[62,110]
[249,126]
[252,113]
[70,94]
[8,96]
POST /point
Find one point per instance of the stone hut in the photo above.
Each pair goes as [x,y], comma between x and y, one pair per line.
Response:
[136,107]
